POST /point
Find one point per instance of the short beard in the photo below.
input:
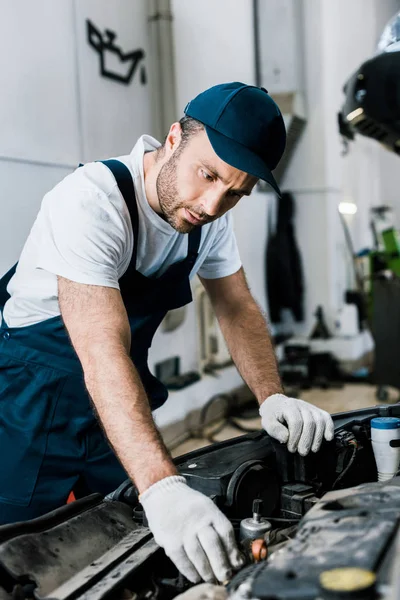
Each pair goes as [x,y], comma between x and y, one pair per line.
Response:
[168,195]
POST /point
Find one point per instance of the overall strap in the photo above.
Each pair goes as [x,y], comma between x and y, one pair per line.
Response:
[124,180]
[194,243]
[4,281]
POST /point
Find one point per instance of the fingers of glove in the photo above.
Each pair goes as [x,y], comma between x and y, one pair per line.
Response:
[215,551]
[184,565]
[308,432]
[227,536]
[294,420]
[275,429]
[329,428]
[319,420]
[196,554]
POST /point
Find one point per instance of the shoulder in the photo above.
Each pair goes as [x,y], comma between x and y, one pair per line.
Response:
[96,180]
[92,177]
[87,206]
[90,191]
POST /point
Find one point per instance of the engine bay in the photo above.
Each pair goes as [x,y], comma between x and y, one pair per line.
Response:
[309,515]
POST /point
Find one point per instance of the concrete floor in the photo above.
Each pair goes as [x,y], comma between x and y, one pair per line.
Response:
[350,397]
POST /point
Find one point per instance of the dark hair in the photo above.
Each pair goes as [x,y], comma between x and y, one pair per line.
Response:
[189,128]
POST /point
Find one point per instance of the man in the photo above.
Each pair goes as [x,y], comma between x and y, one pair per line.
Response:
[105,266]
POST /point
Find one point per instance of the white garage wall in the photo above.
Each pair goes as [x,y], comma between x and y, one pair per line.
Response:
[55,109]
[39,140]
[39,95]
[113,115]
[22,186]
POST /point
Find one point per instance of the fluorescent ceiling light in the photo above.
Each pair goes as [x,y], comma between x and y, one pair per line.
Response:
[358,112]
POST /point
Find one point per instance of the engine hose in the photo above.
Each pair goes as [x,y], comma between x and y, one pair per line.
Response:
[343,473]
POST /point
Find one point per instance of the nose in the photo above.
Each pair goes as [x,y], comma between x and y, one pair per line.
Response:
[212,203]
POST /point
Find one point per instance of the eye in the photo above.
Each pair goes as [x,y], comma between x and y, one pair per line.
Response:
[206,175]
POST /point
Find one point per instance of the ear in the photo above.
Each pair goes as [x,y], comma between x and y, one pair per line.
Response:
[173,138]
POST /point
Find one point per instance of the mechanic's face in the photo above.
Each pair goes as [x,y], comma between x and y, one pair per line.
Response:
[194,186]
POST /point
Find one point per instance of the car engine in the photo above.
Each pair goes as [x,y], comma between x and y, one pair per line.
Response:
[297,520]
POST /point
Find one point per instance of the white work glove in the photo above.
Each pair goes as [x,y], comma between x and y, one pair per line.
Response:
[194,533]
[295,422]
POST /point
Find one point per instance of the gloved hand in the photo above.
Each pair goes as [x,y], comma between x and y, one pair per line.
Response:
[295,422]
[194,533]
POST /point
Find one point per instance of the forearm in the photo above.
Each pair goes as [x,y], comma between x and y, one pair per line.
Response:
[123,409]
[249,343]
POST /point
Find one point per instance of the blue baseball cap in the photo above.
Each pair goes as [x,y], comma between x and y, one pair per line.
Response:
[244,125]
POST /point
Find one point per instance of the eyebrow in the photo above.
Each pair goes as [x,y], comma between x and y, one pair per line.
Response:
[242,191]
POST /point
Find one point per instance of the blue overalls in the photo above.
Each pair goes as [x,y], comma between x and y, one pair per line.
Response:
[50,440]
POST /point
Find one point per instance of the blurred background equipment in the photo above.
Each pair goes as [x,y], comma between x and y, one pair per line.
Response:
[372,104]
[372,109]
[284,273]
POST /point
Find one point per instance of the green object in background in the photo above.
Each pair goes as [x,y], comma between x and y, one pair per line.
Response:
[386,259]
[391,243]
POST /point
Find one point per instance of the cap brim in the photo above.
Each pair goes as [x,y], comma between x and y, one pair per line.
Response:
[240,157]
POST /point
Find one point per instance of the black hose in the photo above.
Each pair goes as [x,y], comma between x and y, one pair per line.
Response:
[343,473]
[231,421]
[203,416]
[227,420]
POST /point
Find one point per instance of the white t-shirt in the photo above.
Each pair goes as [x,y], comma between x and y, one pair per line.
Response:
[83,232]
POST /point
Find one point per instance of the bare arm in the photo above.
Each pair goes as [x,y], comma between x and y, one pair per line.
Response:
[98,326]
[246,334]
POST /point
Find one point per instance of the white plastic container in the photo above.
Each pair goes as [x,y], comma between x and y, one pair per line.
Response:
[383,431]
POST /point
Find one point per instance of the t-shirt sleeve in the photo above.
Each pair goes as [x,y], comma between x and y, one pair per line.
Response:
[84,237]
[223,258]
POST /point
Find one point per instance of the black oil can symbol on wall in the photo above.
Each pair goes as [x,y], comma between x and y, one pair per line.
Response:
[114,63]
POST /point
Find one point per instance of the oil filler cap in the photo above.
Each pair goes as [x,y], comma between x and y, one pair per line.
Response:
[347,583]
